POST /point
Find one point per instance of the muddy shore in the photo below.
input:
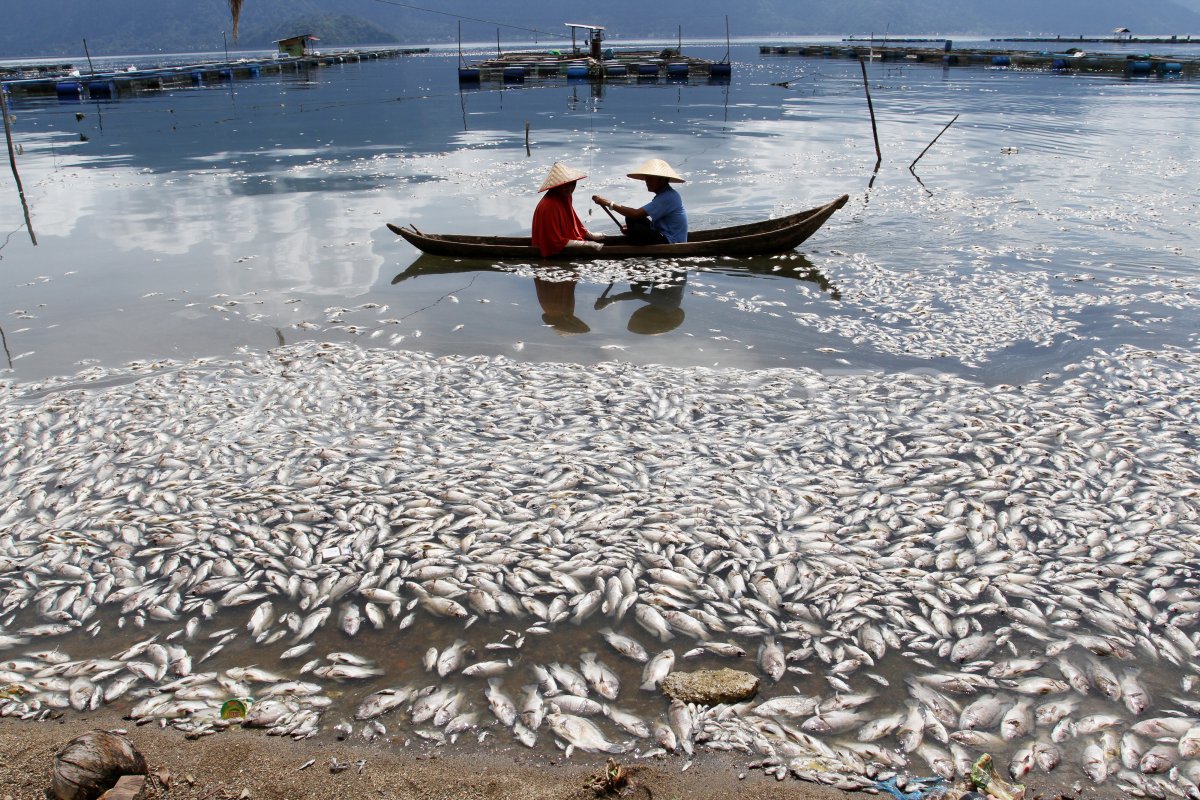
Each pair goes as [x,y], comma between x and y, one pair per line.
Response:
[221,766]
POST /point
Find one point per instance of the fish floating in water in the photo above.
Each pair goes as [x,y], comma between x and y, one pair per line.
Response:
[1013,562]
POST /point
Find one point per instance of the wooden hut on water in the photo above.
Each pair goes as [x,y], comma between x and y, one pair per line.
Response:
[296,46]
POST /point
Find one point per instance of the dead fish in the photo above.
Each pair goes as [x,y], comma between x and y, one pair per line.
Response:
[1017,722]
[649,618]
[1094,764]
[1136,698]
[724,649]
[579,732]
[657,669]
[629,722]
[683,724]
[772,660]
[533,707]
[1046,755]
[984,713]
[788,706]
[487,669]
[382,702]
[451,659]
[625,645]
[500,703]
[599,677]
[1105,680]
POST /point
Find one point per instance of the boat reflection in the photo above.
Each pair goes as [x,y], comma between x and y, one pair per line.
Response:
[657,300]
[663,299]
[797,267]
[557,299]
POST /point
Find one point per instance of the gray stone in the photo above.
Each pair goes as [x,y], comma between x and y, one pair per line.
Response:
[710,687]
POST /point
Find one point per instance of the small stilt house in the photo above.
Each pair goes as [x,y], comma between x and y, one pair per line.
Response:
[296,46]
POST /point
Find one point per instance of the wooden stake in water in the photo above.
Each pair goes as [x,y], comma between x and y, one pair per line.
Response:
[871,108]
[527,153]
[12,161]
[931,144]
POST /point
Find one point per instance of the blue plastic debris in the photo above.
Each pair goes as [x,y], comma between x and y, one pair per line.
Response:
[922,788]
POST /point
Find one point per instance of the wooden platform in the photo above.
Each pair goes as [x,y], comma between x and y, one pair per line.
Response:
[520,66]
[114,84]
[1132,66]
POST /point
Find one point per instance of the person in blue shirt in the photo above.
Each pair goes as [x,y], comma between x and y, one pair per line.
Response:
[661,221]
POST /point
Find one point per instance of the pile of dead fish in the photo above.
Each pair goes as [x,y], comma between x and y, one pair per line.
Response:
[920,568]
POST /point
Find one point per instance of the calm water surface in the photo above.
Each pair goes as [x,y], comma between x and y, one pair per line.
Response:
[1057,215]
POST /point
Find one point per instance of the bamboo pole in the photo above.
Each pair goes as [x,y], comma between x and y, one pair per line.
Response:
[931,144]
[12,161]
[91,69]
[871,108]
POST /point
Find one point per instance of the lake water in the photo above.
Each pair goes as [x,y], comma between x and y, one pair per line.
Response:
[241,414]
[1056,215]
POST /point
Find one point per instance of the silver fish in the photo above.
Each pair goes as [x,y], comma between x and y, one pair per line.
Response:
[657,669]
[582,734]
[625,646]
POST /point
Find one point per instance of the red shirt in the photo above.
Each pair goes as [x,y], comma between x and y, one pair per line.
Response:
[555,223]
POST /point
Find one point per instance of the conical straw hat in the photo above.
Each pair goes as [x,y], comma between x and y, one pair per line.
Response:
[560,173]
[658,168]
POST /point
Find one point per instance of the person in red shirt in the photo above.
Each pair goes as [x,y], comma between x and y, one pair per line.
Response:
[556,226]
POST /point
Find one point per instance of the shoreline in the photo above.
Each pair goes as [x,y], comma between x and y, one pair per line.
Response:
[225,764]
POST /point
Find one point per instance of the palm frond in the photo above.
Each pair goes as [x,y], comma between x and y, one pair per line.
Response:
[235,8]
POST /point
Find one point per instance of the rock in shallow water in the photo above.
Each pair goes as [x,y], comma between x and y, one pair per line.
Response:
[710,687]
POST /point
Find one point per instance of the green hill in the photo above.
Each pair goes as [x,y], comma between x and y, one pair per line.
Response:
[332,30]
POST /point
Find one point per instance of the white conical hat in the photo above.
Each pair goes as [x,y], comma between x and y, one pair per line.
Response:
[560,173]
[658,168]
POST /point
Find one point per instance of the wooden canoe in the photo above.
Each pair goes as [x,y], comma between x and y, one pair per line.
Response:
[755,238]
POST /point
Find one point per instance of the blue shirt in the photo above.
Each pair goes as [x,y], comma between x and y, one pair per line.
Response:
[667,215]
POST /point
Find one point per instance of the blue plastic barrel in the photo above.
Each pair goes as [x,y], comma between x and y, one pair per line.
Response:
[677,70]
[1001,61]
[1138,67]
[68,90]
[255,70]
[577,70]
[951,59]
[514,73]
[616,70]
[197,78]
[1170,68]
[102,90]
[468,75]
[1058,63]
[720,69]
[647,69]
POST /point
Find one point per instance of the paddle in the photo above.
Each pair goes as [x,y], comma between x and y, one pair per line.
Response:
[603,300]
[613,218]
